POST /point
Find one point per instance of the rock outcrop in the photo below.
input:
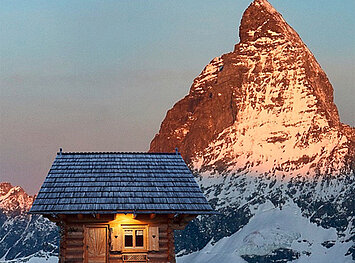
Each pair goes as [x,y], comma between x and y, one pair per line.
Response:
[259,128]
[23,235]
[14,199]
[266,107]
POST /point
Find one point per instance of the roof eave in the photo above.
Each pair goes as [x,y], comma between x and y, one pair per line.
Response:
[205,212]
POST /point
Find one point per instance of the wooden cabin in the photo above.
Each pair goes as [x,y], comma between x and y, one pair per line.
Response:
[119,207]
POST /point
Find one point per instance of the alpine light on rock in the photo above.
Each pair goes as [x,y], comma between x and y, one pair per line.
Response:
[259,126]
[266,107]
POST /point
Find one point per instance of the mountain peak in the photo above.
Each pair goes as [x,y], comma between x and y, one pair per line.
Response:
[13,199]
[260,18]
[265,108]
[263,4]
[4,188]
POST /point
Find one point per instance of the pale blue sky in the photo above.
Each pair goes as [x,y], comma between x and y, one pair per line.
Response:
[100,75]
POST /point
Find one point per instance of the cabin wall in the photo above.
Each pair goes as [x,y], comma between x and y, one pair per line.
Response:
[171,245]
[72,246]
[72,243]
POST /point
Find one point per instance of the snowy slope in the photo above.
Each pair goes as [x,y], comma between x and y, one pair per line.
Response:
[265,108]
[38,257]
[260,130]
[14,199]
[259,125]
[23,235]
[273,230]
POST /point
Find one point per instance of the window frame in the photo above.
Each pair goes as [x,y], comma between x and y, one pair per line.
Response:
[134,248]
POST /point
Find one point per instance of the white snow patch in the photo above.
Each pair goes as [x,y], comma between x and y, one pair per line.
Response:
[209,73]
[31,259]
[270,229]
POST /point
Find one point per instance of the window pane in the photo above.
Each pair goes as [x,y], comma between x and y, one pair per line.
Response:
[139,238]
[128,238]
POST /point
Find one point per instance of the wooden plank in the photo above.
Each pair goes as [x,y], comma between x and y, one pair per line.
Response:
[171,245]
[163,249]
[158,256]
[74,260]
[153,238]
[74,240]
[96,242]
[77,257]
[74,251]
[163,235]
[116,239]
[75,243]
[75,234]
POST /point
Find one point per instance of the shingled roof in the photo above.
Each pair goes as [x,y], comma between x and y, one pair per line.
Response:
[119,183]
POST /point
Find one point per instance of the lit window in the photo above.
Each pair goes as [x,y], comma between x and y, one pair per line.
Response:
[139,238]
[134,237]
[128,238]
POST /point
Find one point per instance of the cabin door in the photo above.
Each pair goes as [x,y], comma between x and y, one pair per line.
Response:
[96,244]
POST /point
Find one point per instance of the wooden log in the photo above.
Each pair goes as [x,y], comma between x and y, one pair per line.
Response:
[171,246]
[74,256]
[74,260]
[75,243]
[163,235]
[161,257]
[163,241]
[74,250]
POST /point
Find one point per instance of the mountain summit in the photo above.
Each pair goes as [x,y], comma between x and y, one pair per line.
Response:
[265,108]
[14,199]
[261,130]
[23,235]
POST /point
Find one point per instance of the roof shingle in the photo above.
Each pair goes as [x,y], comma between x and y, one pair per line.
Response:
[118,183]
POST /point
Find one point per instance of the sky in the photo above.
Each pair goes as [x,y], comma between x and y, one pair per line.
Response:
[100,75]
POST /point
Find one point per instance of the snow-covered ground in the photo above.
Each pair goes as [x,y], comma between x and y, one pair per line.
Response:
[43,260]
[39,257]
[271,229]
[34,260]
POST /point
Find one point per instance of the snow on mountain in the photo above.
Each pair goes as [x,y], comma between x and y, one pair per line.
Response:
[265,108]
[23,235]
[38,257]
[14,199]
[274,231]
[259,125]
[262,134]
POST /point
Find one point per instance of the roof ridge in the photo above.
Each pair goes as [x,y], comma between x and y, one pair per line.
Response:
[145,153]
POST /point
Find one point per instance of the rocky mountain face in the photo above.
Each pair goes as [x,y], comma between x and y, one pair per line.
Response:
[266,107]
[262,134]
[14,199]
[23,235]
[259,126]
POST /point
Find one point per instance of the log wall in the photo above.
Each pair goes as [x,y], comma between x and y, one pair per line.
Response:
[72,246]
